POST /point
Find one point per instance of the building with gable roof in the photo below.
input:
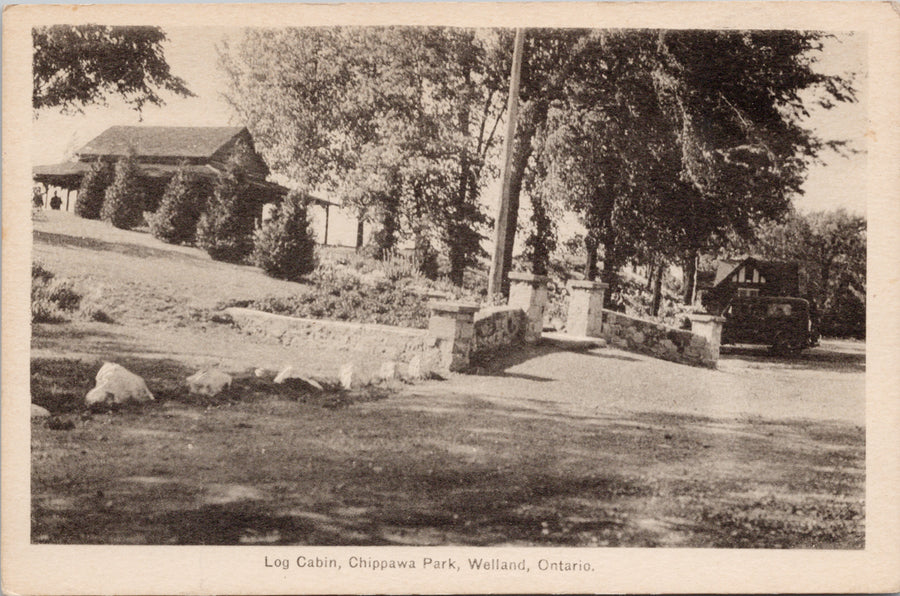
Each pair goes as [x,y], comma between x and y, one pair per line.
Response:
[160,151]
[751,277]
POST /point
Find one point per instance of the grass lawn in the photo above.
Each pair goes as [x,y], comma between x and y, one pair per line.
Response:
[507,458]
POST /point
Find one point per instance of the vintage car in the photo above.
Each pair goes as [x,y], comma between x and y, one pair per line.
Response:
[785,324]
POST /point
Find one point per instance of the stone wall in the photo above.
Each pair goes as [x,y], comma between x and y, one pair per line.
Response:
[655,339]
[367,345]
[497,328]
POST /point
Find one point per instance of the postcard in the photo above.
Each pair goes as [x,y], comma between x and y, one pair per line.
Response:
[450,298]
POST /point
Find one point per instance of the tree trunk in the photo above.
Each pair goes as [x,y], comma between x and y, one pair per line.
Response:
[457,261]
[690,277]
[530,117]
[657,289]
[590,264]
[390,224]
[359,234]
[610,274]
[541,241]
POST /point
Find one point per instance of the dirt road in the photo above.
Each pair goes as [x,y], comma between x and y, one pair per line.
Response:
[605,448]
[825,383]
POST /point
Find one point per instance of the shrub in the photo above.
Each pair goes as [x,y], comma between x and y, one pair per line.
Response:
[176,219]
[284,246]
[40,274]
[124,199]
[427,258]
[92,312]
[225,231]
[51,298]
[92,191]
[61,293]
[397,266]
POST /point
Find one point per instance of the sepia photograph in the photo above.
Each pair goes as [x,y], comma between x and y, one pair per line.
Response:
[498,288]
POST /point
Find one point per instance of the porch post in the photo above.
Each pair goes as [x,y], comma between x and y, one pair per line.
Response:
[325,241]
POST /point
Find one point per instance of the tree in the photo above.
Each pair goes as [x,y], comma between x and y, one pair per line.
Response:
[183,201]
[284,246]
[78,65]
[831,249]
[549,55]
[667,141]
[124,198]
[92,191]
[225,230]
[398,122]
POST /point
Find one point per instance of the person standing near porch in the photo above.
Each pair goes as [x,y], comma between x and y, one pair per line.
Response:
[55,202]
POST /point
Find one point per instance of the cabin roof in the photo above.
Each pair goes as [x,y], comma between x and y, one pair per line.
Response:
[161,141]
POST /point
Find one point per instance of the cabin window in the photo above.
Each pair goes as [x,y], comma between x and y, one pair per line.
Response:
[748,292]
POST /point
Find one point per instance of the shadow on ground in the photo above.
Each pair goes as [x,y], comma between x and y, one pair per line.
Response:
[132,250]
[824,358]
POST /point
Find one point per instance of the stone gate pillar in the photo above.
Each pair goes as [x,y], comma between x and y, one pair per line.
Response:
[709,327]
[529,292]
[452,326]
[585,317]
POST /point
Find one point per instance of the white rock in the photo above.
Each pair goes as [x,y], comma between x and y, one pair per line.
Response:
[346,376]
[388,370]
[292,373]
[416,368]
[261,373]
[38,412]
[208,382]
[117,385]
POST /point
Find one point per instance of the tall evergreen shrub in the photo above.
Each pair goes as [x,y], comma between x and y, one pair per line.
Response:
[124,199]
[93,188]
[285,246]
[182,203]
[225,231]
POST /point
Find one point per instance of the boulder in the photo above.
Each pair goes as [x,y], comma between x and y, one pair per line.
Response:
[292,374]
[346,376]
[208,382]
[39,412]
[117,385]
[416,369]
[388,370]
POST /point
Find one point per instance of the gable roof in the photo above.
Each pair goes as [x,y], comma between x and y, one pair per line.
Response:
[161,141]
[778,272]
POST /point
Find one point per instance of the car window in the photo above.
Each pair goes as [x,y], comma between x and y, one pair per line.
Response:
[779,310]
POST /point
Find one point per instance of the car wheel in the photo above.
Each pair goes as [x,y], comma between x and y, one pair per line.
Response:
[786,344]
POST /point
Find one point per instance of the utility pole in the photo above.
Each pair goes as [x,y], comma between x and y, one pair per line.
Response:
[495,281]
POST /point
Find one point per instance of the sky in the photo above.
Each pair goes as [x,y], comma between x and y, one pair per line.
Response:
[191,53]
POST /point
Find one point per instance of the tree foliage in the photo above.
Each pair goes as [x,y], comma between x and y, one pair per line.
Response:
[667,141]
[92,191]
[225,230]
[123,200]
[78,65]
[284,246]
[398,122]
[182,203]
[831,249]
[664,142]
